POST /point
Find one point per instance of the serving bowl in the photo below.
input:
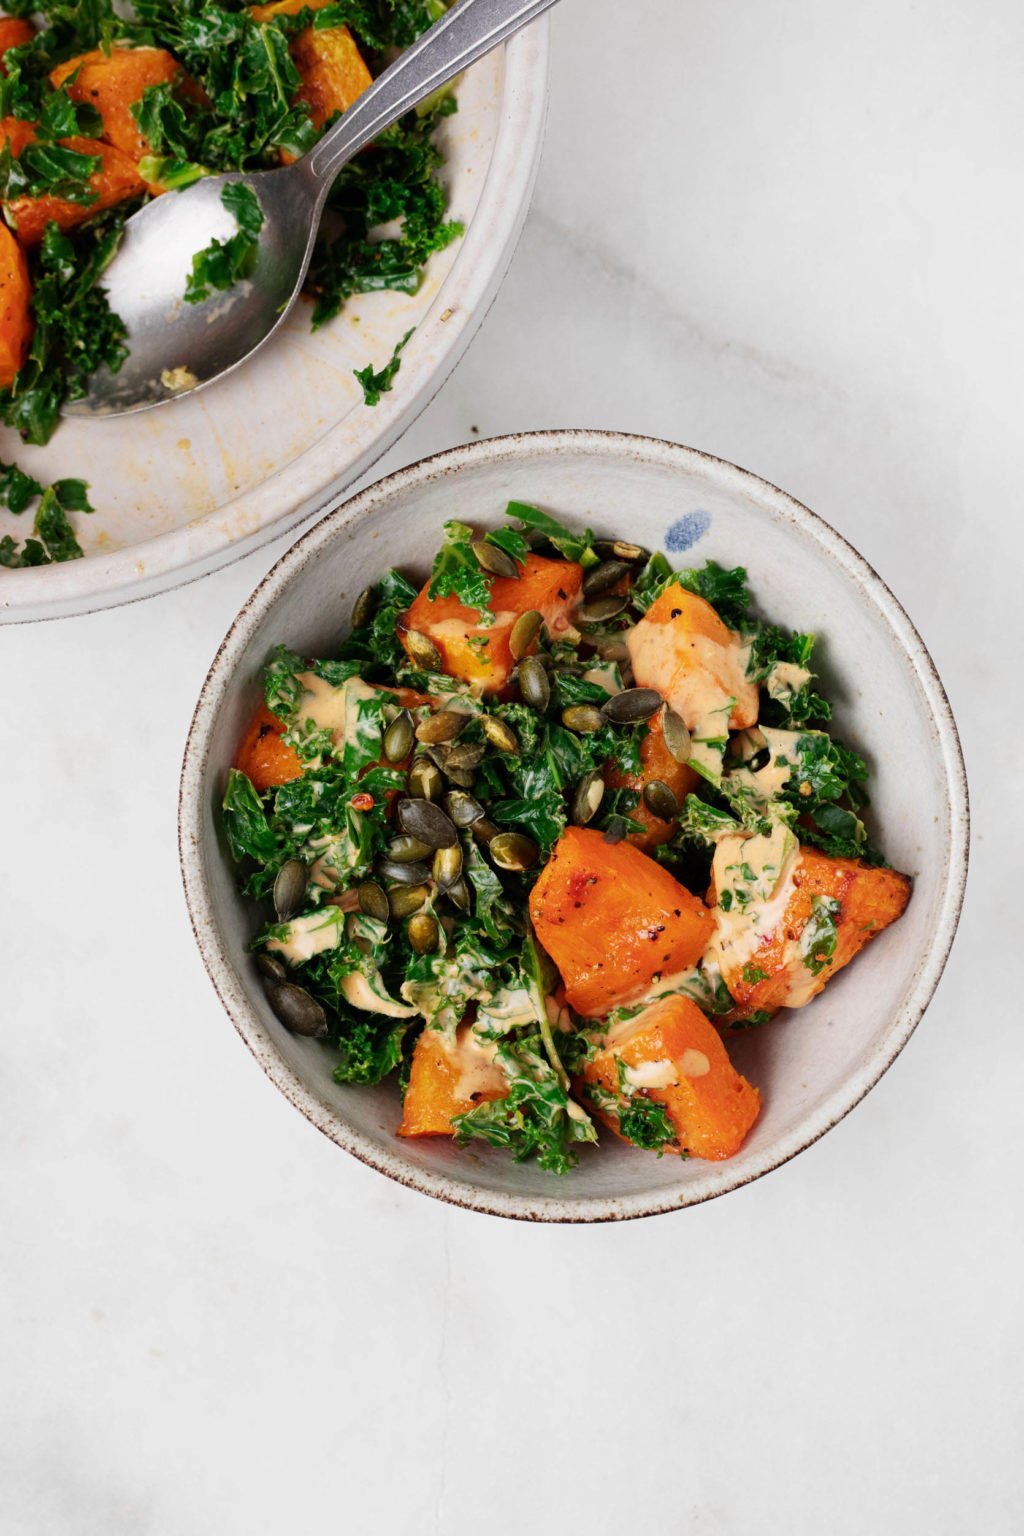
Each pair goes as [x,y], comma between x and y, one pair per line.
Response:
[200,481]
[812,1065]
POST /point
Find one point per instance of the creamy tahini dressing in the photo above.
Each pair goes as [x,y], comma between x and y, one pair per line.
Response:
[696,675]
[360,993]
[653,1074]
[758,874]
[339,857]
[769,782]
[606,676]
[476,1064]
[332,708]
[785,679]
[310,935]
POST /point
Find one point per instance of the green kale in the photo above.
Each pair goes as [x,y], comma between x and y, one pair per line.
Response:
[572,546]
[76,331]
[376,642]
[376,384]
[17,489]
[224,263]
[820,935]
[56,540]
[725,590]
[246,826]
[457,572]
[646,1124]
[369,1046]
[534,1120]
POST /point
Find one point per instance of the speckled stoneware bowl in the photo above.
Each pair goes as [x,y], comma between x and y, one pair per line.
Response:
[812,1066]
[181,490]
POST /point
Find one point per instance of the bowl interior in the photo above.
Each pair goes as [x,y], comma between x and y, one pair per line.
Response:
[811,1065]
[203,479]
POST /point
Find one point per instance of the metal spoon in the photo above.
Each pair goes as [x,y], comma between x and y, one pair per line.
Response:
[177,348]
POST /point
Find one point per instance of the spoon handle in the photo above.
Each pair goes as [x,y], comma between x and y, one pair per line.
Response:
[468,31]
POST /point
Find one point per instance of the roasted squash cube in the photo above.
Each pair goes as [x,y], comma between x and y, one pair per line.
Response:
[613,920]
[671,1053]
[780,952]
[479,653]
[15,299]
[448,1077]
[682,649]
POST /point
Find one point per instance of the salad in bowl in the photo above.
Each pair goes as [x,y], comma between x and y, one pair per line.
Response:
[544,835]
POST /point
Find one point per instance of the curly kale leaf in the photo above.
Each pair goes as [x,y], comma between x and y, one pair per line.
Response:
[223,263]
[572,546]
[376,383]
[534,1120]
[76,331]
[457,572]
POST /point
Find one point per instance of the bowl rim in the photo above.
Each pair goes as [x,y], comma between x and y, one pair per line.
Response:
[310,483]
[715,1178]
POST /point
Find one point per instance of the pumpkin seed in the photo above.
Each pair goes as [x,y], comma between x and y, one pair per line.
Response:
[404,873]
[406,850]
[422,819]
[406,899]
[373,901]
[423,651]
[494,560]
[447,866]
[465,757]
[632,705]
[588,797]
[677,737]
[398,737]
[462,808]
[513,850]
[423,933]
[601,578]
[612,648]
[270,967]
[534,684]
[444,726]
[484,830]
[619,549]
[524,632]
[582,718]
[459,895]
[362,608]
[499,734]
[600,609]
[615,830]
[660,800]
[298,1012]
[425,781]
[289,889]
[462,778]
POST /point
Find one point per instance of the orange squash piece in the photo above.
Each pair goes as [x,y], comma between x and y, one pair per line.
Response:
[682,649]
[116,180]
[448,1078]
[263,757]
[613,920]
[112,83]
[334,73]
[16,323]
[775,974]
[479,653]
[672,1054]
[656,762]
[13,34]
[15,133]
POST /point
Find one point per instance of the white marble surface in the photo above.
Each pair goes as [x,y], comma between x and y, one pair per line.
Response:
[212,1320]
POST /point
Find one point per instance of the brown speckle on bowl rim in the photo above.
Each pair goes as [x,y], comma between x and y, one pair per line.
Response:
[440,1184]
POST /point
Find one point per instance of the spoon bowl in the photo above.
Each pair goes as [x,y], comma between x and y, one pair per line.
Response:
[175,346]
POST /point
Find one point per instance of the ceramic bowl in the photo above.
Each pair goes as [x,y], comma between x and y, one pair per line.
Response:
[181,490]
[812,1066]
